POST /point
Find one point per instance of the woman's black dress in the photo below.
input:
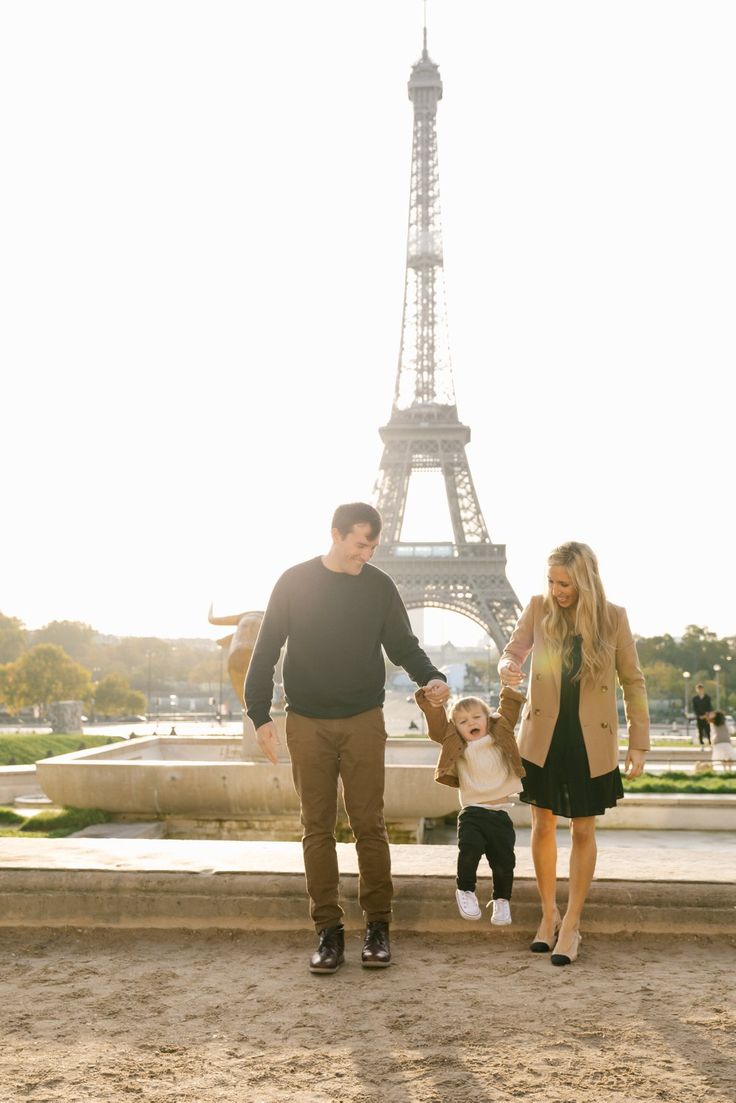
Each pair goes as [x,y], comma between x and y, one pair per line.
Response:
[564,784]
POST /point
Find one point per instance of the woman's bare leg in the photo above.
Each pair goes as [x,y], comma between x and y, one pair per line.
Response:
[582,867]
[544,856]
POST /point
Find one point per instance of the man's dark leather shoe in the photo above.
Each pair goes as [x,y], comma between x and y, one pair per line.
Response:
[330,953]
[376,948]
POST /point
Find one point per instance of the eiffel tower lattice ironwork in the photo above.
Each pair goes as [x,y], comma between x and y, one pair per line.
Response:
[424,432]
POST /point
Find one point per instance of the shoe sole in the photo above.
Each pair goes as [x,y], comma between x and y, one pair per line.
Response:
[501,922]
[375,964]
[472,918]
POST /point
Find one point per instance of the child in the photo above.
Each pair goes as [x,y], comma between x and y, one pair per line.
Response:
[480,757]
[720,739]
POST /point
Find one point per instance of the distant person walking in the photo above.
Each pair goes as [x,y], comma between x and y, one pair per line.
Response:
[336,612]
[579,643]
[701,707]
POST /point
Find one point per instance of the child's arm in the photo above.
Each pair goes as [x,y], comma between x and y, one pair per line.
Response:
[437,726]
[503,723]
[509,707]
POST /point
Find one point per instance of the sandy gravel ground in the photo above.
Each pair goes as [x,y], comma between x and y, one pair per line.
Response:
[194,1017]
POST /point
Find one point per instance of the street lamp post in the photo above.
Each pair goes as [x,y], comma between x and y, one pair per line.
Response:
[686,676]
[717,672]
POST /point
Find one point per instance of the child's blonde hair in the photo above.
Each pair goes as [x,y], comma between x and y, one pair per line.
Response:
[465,704]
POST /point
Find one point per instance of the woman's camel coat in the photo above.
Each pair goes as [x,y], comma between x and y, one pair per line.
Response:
[598,716]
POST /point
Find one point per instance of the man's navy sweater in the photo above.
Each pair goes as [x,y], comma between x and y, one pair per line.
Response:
[334,625]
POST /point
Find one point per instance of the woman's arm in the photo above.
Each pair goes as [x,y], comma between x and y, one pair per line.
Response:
[517,649]
[634,689]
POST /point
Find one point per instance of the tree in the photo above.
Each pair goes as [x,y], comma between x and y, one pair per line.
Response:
[664,682]
[114,697]
[12,638]
[43,674]
[75,637]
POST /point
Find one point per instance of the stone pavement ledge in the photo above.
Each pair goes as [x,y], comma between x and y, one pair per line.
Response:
[655,881]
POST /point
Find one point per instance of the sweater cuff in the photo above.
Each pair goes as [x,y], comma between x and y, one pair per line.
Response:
[513,693]
[258,719]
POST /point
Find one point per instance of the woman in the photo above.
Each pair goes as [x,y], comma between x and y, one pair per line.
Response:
[569,732]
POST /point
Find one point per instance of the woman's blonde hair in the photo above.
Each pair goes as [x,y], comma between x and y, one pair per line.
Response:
[592,619]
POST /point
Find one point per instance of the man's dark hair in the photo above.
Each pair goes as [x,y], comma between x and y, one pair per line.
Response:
[357,513]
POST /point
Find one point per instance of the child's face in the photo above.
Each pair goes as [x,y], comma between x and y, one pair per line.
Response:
[472,723]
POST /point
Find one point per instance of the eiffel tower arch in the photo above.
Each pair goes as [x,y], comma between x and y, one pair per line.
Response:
[424,432]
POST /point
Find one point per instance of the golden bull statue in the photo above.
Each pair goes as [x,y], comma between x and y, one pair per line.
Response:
[240,644]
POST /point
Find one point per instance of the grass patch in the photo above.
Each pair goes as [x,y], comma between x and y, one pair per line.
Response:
[49,825]
[24,750]
[63,822]
[8,816]
[675,781]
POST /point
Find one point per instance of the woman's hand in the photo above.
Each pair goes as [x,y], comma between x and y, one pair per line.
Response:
[510,672]
[634,766]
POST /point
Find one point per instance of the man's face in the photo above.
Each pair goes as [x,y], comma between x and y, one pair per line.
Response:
[356,549]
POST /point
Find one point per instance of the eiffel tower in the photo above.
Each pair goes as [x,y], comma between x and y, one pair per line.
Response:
[424,432]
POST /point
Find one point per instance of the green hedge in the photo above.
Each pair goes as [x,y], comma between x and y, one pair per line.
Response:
[51,824]
[675,781]
[24,750]
[9,817]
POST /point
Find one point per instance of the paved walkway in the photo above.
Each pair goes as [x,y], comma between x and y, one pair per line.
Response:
[669,882]
[652,856]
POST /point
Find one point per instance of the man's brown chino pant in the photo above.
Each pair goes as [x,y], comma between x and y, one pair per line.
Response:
[351,748]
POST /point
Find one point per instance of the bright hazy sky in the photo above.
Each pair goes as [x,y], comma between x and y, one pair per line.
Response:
[202,263]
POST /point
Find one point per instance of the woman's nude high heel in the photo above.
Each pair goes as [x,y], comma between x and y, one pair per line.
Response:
[539,946]
[572,953]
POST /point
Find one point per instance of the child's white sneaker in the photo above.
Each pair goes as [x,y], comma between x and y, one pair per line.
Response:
[467,904]
[501,913]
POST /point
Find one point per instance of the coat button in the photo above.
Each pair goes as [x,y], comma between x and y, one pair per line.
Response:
[537,712]
[604,689]
[604,724]
[539,677]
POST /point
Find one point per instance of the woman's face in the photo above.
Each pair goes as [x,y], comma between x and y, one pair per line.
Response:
[561,587]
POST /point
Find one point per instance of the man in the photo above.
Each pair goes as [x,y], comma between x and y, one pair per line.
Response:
[337,611]
[701,708]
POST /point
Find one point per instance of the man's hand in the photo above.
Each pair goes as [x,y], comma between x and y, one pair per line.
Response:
[268,741]
[436,692]
[634,765]
[510,672]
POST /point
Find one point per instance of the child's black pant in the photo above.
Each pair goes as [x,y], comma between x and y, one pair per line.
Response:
[486,831]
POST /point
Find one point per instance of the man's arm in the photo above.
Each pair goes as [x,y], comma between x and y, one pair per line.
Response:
[402,646]
[258,690]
